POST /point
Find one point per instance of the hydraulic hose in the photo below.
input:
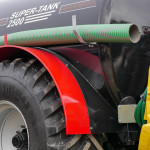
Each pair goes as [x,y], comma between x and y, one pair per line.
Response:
[105,33]
[140,110]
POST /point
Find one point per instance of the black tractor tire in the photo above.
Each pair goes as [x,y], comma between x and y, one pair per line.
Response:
[28,85]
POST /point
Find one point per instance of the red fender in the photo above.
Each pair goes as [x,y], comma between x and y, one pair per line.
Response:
[75,109]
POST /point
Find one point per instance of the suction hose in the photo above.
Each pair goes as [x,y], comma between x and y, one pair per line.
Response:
[105,33]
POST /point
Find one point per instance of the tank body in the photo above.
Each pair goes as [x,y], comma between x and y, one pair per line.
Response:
[29,15]
[125,66]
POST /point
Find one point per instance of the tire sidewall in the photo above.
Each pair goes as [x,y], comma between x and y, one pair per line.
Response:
[16,92]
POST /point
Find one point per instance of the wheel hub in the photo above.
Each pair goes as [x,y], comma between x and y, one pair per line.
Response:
[20,140]
[13,128]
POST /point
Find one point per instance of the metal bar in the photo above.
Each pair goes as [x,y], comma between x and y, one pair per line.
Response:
[74,24]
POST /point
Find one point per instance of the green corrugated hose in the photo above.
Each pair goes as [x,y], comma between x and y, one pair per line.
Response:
[119,33]
[140,110]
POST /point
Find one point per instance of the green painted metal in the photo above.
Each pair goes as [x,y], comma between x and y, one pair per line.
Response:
[118,33]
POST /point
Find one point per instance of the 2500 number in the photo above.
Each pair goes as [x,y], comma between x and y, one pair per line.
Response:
[16,22]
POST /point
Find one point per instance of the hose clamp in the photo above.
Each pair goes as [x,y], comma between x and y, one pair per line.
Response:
[141,96]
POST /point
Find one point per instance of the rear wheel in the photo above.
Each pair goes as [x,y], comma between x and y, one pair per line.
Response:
[31,114]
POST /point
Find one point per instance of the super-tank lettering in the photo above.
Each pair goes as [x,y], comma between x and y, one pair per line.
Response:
[32,15]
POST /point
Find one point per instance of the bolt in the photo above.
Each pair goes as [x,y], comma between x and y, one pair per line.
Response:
[23,126]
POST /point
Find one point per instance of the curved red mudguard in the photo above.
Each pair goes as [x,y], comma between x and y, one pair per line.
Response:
[74,105]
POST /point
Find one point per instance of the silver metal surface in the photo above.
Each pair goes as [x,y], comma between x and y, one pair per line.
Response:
[126,113]
[74,24]
[11,120]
